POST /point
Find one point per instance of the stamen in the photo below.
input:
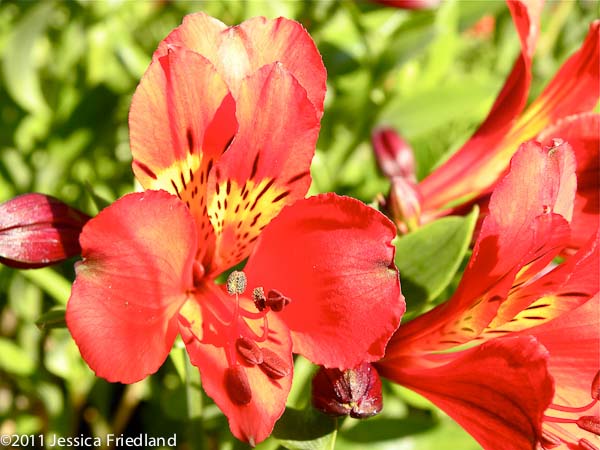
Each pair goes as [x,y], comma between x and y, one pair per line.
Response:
[273,366]
[236,282]
[237,385]
[260,301]
[573,409]
[550,439]
[249,351]
[589,423]
[276,300]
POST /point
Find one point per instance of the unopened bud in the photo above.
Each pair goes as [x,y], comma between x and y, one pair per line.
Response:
[394,156]
[38,230]
[405,204]
[356,392]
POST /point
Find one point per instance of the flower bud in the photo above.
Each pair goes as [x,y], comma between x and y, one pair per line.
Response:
[404,204]
[37,230]
[394,156]
[356,392]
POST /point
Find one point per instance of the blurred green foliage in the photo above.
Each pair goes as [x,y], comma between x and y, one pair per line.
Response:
[67,76]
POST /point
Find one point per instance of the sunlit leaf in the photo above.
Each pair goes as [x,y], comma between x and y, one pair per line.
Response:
[14,359]
[306,430]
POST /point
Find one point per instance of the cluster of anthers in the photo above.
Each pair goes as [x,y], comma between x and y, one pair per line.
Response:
[589,423]
[247,351]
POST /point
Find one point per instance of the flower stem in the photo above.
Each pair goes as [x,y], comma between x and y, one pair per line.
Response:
[194,405]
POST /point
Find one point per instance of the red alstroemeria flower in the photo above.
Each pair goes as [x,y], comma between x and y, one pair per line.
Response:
[498,391]
[229,135]
[471,172]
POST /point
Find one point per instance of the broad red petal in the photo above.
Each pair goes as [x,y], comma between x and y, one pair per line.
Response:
[448,182]
[333,257]
[498,391]
[136,268]
[182,119]
[38,230]
[267,165]
[214,353]
[241,50]
[582,132]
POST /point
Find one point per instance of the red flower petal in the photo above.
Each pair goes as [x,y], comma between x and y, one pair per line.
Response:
[582,132]
[38,230]
[476,157]
[497,391]
[521,234]
[182,119]
[267,165]
[573,341]
[137,262]
[263,396]
[241,50]
[332,257]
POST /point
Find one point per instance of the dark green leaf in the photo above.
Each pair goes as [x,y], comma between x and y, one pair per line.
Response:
[428,258]
[306,430]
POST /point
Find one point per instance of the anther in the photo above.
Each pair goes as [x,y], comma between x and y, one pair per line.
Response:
[236,282]
[273,366]
[249,351]
[237,385]
[589,423]
[276,300]
[260,301]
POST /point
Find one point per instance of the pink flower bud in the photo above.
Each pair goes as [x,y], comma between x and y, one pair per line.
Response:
[37,230]
[404,204]
[394,156]
[354,391]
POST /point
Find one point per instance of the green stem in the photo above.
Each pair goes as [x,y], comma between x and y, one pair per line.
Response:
[51,282]
[194,404]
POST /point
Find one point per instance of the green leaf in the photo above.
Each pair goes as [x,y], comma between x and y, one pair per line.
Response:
[306,430]
[55,318]
[428,258]
[14,359]
[20,75]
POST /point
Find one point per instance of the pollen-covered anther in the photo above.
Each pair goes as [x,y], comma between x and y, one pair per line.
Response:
[273,366]
[589,423]
[237,385]
[276,300]
[260,301]
[249,351]
[236,282]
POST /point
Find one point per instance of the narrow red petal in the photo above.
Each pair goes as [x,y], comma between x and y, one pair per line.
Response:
[252,401]
[498,391]
[136,269]
[242,50]
[582,132]
[448,182]
[333,258]
[38,230]
[182,119]
[267,165]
